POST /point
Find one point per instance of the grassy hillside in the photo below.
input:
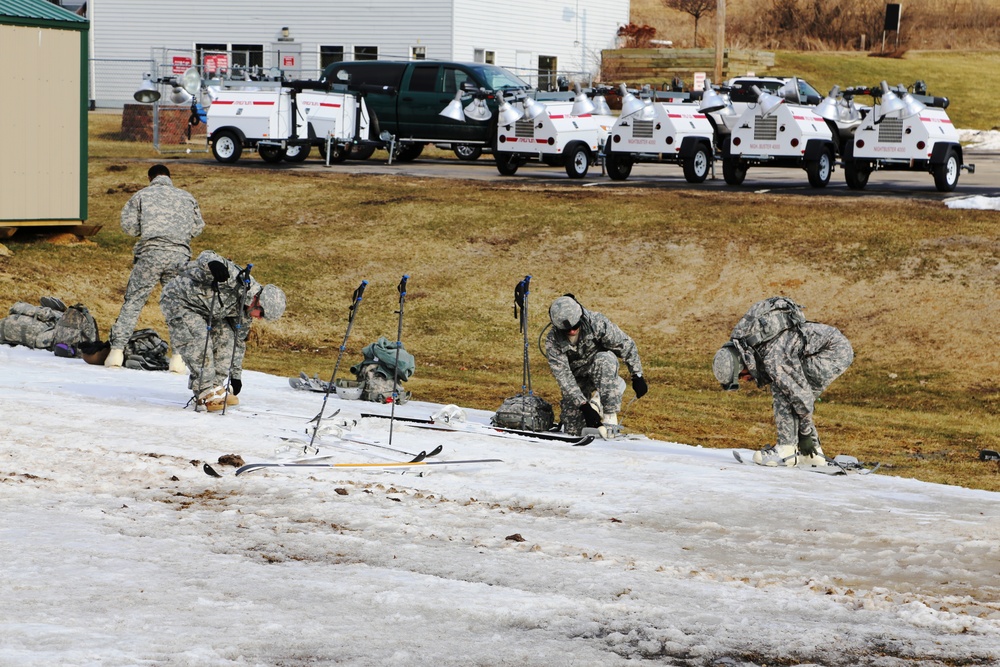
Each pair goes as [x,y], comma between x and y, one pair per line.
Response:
[912,284]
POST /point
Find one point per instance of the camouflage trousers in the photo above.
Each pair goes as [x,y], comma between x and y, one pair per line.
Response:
[208,367]
[818,371]
[600,376]
[149,268]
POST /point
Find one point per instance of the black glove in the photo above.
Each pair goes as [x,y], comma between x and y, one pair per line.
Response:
[639,386]
[236,386]
[219,271]
[590,416]
[808,443]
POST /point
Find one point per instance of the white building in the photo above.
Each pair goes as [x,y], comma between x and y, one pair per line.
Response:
[538,40]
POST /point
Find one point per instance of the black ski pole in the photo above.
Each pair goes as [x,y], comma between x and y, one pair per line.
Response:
[244,276]
[521,312]
[355,302]
[401,288]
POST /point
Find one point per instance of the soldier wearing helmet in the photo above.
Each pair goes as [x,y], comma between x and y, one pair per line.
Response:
[775,345]
[583,348]
[209,308]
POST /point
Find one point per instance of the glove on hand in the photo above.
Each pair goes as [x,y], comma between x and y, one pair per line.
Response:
[639,386]
[590,416]
[219,271]
[808,443]
[235,386]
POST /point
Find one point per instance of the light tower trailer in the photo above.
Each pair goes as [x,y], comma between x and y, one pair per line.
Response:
[778,134]
[555,137]
[673,133]
[904,132]
[282,121]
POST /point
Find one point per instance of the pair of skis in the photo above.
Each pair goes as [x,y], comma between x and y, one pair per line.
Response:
[486,429]
[841,464]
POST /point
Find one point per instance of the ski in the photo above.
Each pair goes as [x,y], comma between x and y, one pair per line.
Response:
[347,440]
[398,465]
[486,429]
[841,464]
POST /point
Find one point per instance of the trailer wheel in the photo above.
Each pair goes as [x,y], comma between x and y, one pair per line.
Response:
[507,163]
[696,166]
[409,151]
[946,173]
[856,174]
[577,161]
[733,171]
[820,169]
[361,152]
[271,154]
[297,153]
[226,147]
[618,165]
[467,152]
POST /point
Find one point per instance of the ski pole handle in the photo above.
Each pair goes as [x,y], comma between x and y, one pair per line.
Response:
[358,294]
[401,288]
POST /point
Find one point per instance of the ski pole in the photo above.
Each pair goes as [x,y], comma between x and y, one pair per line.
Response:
[244,276]
[521,312]
[401,288]
[355,302]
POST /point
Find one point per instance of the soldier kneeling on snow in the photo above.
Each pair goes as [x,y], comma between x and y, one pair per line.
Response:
[774,344]
[207,307]
[583,348]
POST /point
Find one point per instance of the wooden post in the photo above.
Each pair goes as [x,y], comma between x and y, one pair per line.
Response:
[720,38]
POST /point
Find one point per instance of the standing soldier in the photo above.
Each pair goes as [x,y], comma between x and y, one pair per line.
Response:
[165,219]
[207,307]
[774,344]
[583,349]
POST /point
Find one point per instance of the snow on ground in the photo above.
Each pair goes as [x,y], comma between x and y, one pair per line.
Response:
[116,549]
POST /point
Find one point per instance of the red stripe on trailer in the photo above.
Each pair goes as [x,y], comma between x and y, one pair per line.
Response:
[329,104]
[222,102]
[263,103]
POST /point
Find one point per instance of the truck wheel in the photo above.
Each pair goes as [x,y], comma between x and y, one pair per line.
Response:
[577,161]
[820,169]
[271,154]
[226,147]
[946,173]
[856,174]
[361,152]
[696,166]
[297,153]
[733,171]
[618,165]
[507,163]
[409,152]
[467,152]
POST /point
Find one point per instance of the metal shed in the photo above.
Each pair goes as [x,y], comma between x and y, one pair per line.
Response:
[43,167]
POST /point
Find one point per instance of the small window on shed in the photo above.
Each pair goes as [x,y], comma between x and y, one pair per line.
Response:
[418,53]
[248,55]
[366,53]
[330,54]
[484,56]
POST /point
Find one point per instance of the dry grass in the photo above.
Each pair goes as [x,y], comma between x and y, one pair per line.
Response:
[912,284]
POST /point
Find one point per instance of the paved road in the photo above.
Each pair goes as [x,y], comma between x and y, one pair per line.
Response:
[985,182]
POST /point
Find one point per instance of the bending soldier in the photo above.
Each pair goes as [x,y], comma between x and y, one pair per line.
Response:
[774,345]
[583,349]
[206,307]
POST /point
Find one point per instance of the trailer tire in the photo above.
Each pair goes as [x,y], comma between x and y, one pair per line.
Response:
[697,165]
[226,146]
[271,154]
[467,152]
[946,173]
[820,169]
[856,173]
[618,165]
[409,151]
[577,160]
[297,153]
[733,171]
[361,152]
[507,163]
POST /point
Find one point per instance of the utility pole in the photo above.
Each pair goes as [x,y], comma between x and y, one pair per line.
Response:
[720,38]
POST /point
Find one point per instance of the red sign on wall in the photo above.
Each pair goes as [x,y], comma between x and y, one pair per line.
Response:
[214,63]
[288,61]
[181,64]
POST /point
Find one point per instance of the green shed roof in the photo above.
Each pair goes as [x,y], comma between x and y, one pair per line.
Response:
[39,12]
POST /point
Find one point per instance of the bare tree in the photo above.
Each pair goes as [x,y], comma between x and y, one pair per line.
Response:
[696,8]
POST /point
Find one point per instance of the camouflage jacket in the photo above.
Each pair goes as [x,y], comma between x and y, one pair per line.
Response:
[597,334]
[163,217]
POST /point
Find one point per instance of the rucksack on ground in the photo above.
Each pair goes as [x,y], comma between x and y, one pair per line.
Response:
[76,327]
[30,326]
[766,319]
[524,412]
[145,350]
[379,368]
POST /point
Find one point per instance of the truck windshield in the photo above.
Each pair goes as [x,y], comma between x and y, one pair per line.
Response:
[498,78]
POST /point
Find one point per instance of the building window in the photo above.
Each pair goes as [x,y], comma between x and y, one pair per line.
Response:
[547,73]
[248,55]
[329,55]
[484,56]
[366,53]
[418,53]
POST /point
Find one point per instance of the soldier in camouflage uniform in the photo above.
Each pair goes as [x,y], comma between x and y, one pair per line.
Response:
[209,308]
[583,349]
[799,359]
[165,219]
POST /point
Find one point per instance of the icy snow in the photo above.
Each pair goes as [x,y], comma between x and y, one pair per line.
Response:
[116,549]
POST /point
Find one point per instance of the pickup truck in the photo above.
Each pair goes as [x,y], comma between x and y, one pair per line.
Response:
[405,99]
